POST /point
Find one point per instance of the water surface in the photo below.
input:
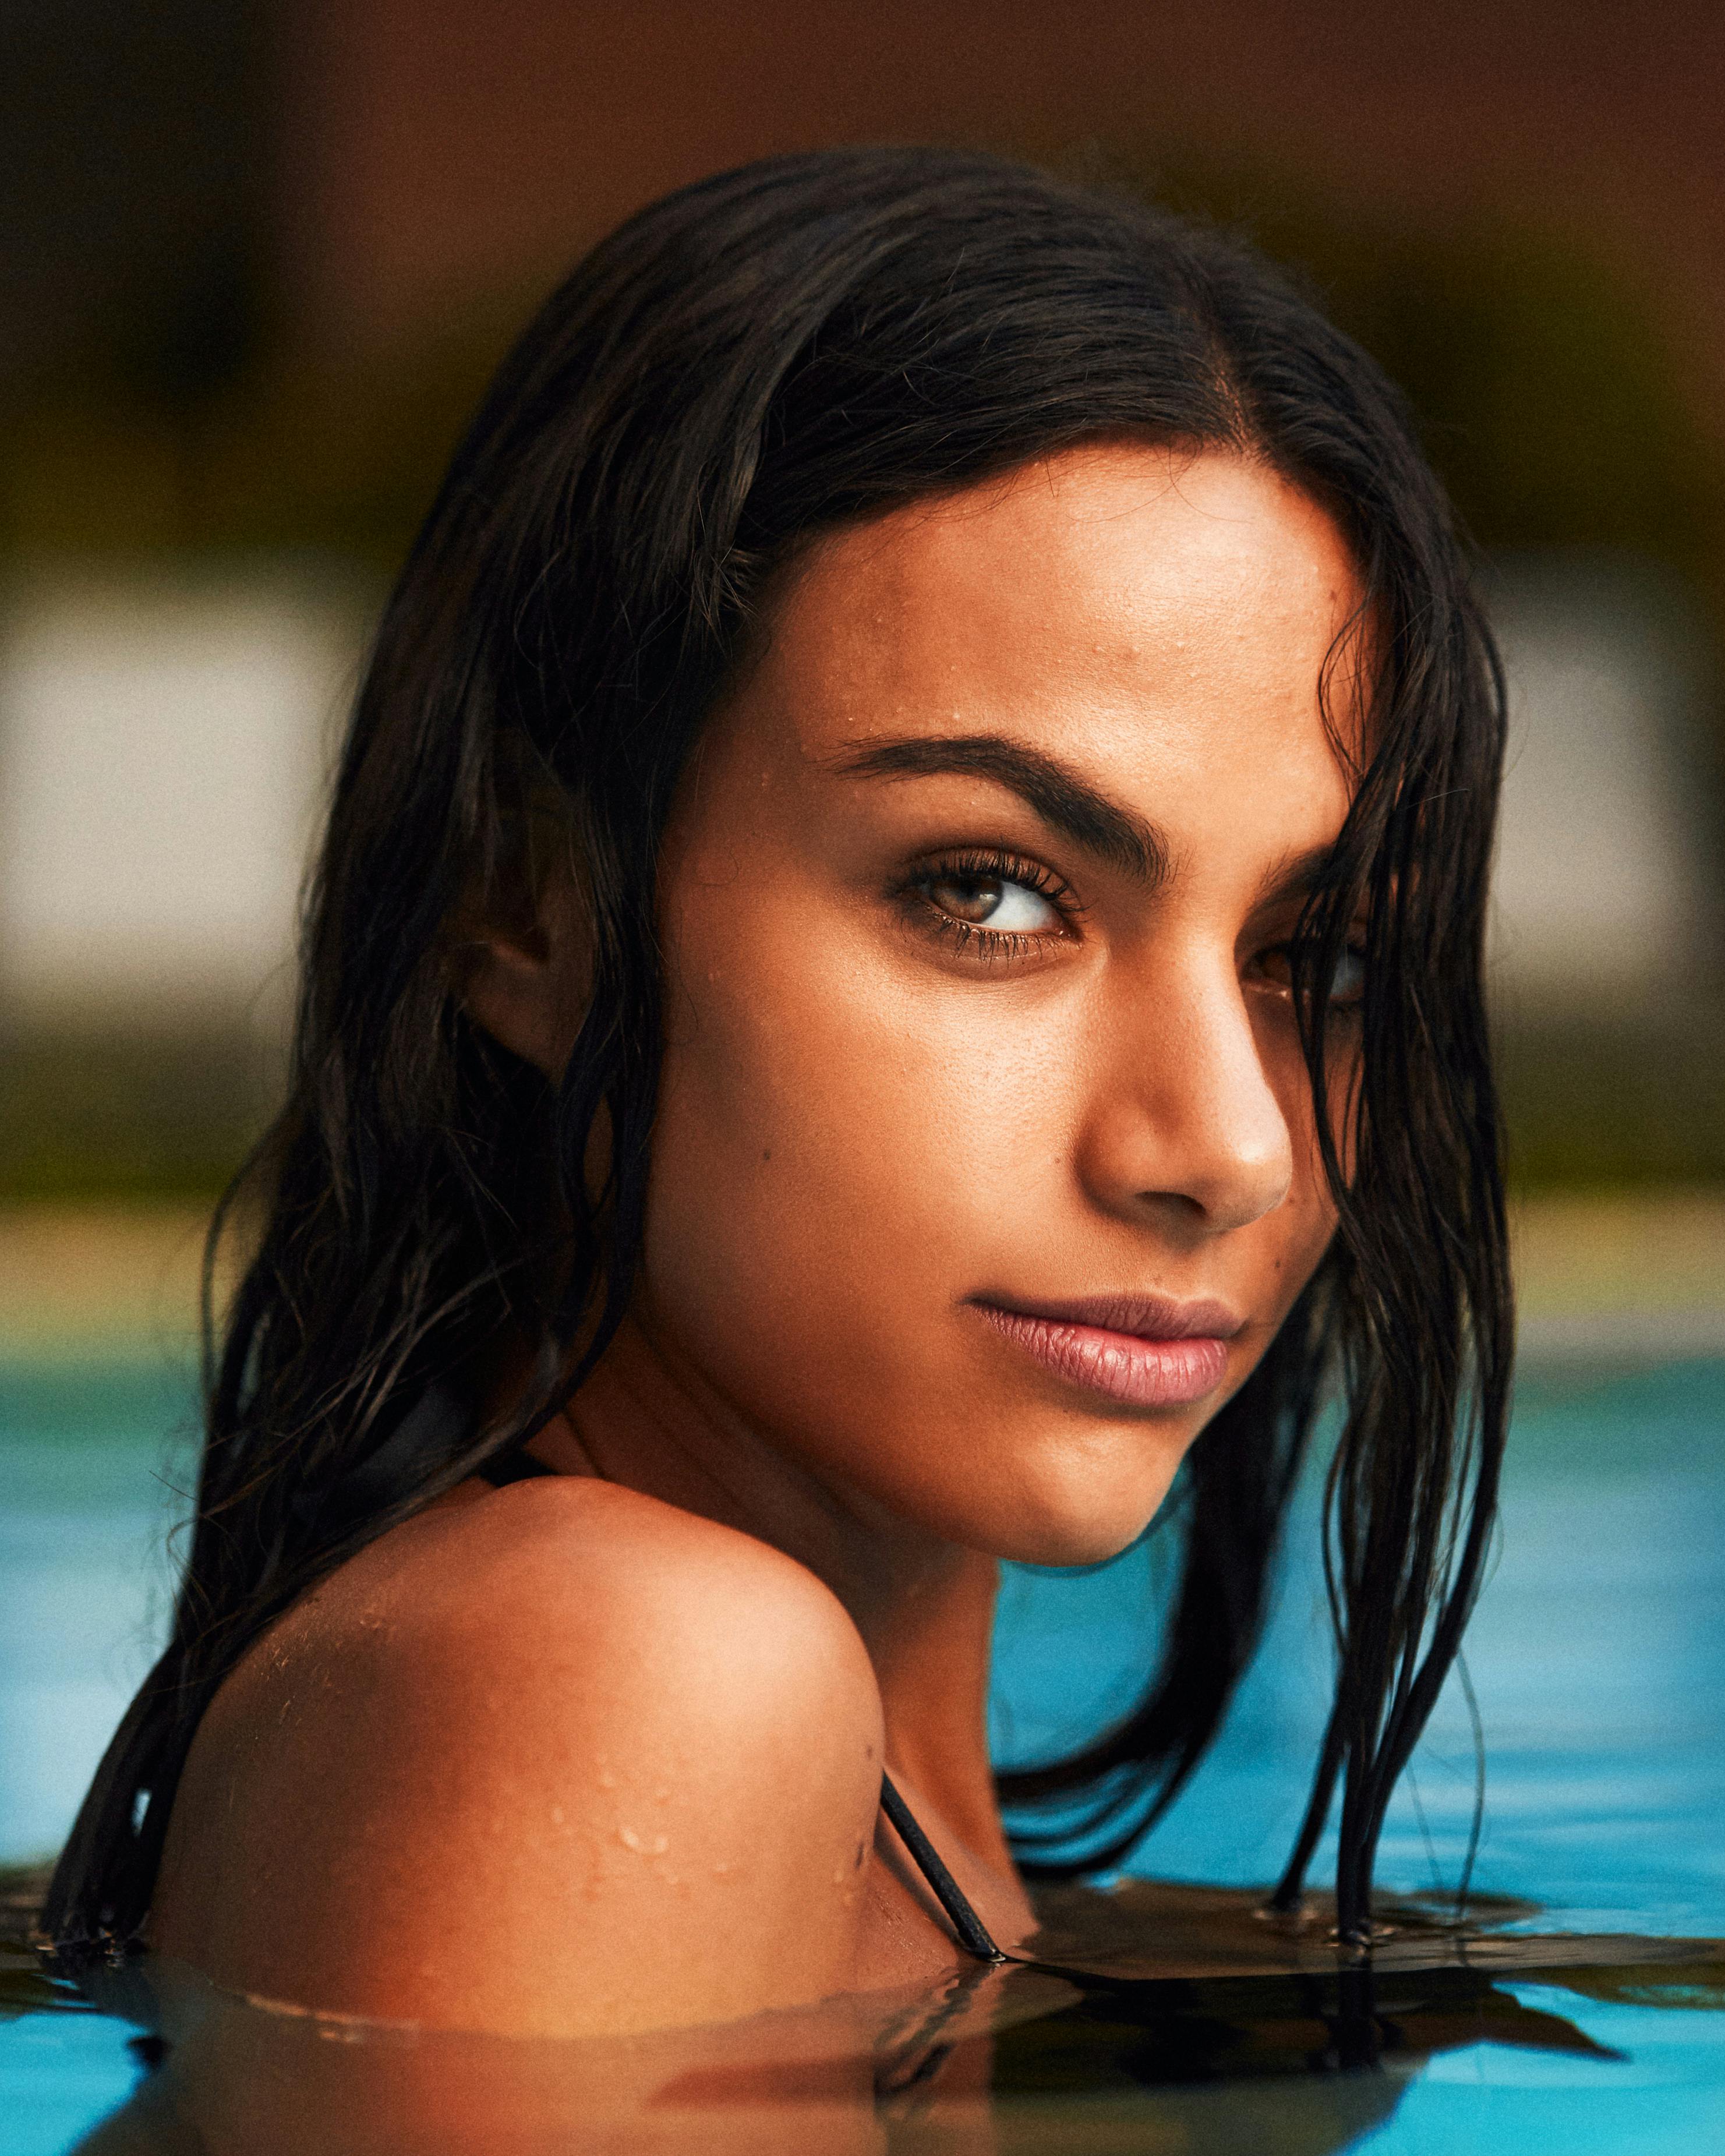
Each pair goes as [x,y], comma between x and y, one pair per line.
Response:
[1571,2023]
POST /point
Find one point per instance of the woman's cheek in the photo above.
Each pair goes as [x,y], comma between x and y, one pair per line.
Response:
[843,1153]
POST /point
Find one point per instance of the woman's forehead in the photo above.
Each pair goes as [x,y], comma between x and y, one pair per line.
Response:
[1119,600]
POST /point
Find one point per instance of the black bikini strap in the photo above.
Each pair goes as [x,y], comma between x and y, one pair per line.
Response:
[432,1431]
[973,1935]
[511,1467]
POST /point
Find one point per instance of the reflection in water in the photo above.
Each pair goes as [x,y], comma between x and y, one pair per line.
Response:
[1162,2018]
[843,2078]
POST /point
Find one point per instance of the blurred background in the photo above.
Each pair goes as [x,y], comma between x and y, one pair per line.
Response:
[257,258]
[261,256]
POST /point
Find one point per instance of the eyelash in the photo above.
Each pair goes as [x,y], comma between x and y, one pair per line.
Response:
[976,939]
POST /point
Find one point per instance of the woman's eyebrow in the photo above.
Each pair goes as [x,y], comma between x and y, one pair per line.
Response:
[1063,801]
[1296,877]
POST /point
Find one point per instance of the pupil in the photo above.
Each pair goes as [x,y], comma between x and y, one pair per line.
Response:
[971,898]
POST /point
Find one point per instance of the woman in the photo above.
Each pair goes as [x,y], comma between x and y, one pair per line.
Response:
[897,955]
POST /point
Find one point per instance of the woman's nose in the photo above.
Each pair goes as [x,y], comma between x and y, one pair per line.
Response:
[1185,1121]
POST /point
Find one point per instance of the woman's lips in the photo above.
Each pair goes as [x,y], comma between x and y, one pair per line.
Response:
[1139,1350]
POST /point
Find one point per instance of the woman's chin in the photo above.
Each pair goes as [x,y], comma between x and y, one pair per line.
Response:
[1067,1547]
[1066,1526]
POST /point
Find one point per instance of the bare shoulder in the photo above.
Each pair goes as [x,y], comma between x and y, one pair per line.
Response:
[641,1750]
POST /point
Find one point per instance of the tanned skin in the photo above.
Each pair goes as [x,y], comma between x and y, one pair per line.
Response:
[628,1722]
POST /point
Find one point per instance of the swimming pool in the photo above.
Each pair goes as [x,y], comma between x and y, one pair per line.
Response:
[1597,1658]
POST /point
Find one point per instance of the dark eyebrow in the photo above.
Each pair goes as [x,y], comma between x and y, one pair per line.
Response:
[1297,878]
[1063,800]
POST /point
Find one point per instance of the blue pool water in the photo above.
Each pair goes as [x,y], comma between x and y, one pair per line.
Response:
[1663,2090]
[1597,1658]
[1597,1655]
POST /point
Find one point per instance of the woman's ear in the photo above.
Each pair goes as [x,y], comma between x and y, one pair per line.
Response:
[521,961]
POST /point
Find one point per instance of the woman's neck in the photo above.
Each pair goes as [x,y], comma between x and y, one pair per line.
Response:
[924,1607]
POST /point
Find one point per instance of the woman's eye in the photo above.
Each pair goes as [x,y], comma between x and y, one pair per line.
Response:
[996,902]
[1347,984]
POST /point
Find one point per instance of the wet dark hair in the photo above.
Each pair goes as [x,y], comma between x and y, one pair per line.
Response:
[752,362]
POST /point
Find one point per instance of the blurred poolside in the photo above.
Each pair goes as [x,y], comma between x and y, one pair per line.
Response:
[1630,1275]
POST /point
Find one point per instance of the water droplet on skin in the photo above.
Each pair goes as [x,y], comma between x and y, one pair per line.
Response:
[607,1780]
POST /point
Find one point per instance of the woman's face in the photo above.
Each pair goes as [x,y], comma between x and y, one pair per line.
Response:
[985,1167]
